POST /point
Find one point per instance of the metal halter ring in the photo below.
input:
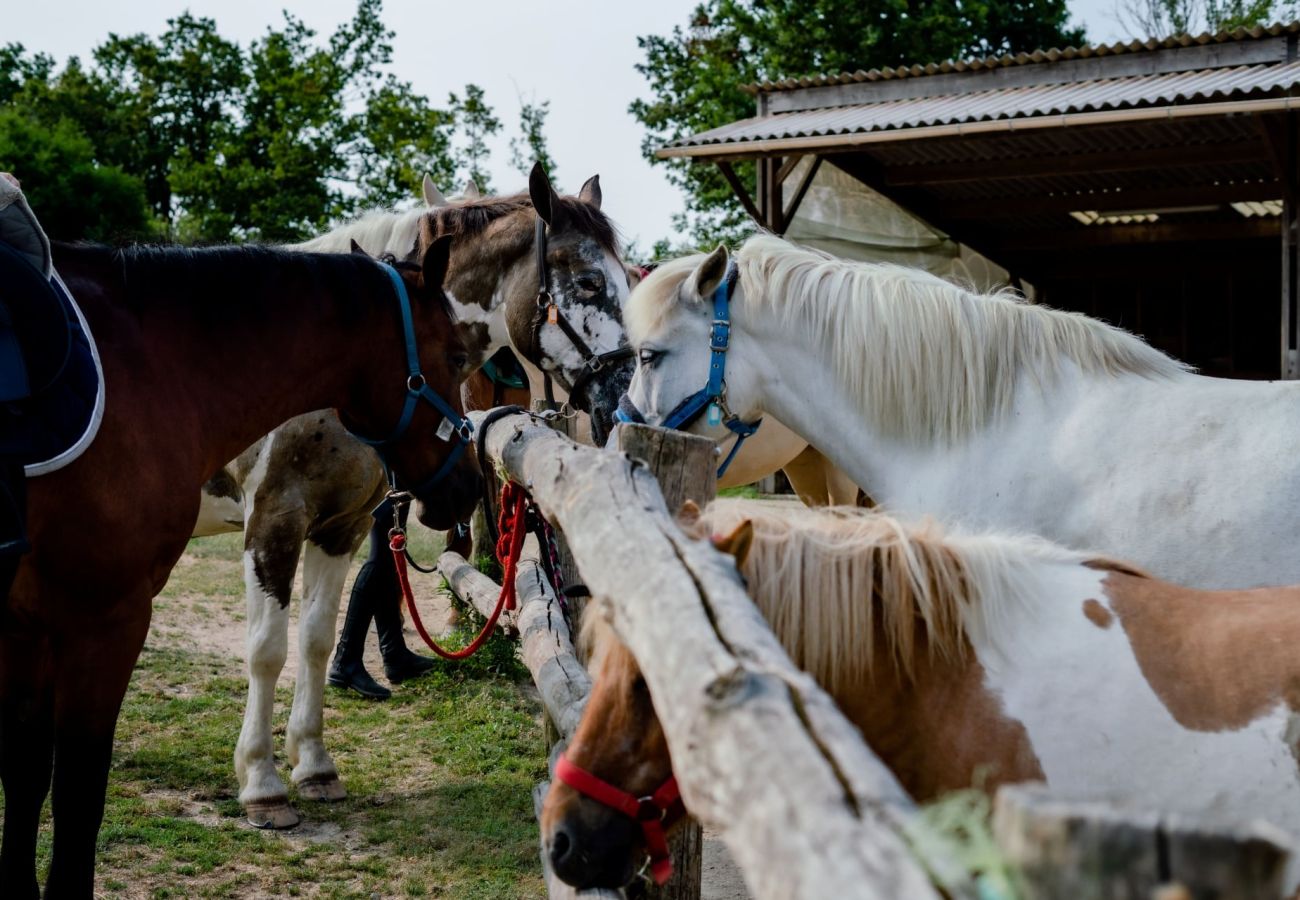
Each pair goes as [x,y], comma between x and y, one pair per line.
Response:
[415,383]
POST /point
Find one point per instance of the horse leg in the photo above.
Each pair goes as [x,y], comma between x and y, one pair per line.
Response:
[26,756]
[92,669]
[313,770]
[273,543]
[808,477]
[840,488]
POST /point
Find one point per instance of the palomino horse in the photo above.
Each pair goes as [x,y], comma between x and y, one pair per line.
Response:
[984,409]
[203,352]
[309,484]
[976,660]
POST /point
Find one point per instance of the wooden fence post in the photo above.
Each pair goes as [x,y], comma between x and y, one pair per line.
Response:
[685,465]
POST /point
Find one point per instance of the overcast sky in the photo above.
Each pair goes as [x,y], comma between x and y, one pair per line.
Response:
[579,54]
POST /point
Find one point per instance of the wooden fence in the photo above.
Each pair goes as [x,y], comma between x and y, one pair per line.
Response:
[762,755]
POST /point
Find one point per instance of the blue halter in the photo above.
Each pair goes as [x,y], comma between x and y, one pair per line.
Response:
[454,425]
[711,400]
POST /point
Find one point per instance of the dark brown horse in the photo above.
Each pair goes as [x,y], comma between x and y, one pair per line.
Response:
[203,352]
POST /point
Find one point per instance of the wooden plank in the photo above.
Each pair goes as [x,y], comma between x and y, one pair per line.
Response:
[806,182]
[555,888]
[788,166]
[1178,59]
[760,751]
[474,588]
[1135,235]
[1129,160]
[739,190]
[1092,850]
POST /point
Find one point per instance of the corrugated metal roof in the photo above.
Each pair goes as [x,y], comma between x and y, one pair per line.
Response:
[1024,59]
[1238,82]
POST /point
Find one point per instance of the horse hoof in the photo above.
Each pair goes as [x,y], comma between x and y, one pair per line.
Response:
[322,787]
[275,814]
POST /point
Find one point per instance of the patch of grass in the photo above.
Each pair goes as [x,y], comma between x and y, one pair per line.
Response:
[958,828]
[743,491]
[439,778]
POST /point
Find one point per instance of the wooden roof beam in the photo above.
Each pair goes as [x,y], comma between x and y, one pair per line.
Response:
[1135,235]
[1112,201]
[1077,164]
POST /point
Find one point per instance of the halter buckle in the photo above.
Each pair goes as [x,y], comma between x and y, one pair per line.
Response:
[720,336]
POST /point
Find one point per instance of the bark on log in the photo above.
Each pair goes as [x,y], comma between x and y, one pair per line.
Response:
[473,587]
[1093,850]
[761,752]
[555,888]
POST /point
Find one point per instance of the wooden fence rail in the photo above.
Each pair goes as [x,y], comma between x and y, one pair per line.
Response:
[761,753]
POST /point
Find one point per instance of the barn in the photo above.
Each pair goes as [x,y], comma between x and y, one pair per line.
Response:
[1151,184]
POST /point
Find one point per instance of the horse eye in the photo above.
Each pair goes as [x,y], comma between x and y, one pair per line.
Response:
[460,361]
[648,357]
[591,282]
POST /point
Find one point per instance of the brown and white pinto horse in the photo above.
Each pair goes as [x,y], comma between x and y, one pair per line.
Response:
[977,661]
[203,352]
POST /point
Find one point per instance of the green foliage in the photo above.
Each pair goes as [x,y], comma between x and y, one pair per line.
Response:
[272,141]
[696,73]
[77,198]
[1164,18]
[530,146]
[477,123]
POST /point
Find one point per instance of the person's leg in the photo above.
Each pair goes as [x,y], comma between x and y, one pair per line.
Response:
[348,669]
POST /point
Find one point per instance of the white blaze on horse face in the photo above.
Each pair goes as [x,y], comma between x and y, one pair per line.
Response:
[1064,668]
[598,319]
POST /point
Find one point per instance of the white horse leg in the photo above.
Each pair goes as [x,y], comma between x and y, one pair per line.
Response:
[261,791]
[313,769]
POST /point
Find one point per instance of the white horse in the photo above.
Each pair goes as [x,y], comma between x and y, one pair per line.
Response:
[988,410]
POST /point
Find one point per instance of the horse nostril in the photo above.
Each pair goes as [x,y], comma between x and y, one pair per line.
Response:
[560,846]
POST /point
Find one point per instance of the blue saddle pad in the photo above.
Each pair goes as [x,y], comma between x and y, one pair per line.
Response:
[51,416]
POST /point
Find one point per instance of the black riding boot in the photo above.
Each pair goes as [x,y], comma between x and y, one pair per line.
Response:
[347,669]
[13,537]
[400,664]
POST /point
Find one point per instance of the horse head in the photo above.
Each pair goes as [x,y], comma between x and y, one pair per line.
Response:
[594,834]
[554,262]
[418,427]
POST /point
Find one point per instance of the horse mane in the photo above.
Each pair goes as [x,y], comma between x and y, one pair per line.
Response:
[378,231]
[824,578]
[470,218]
[219,280]
[928,360]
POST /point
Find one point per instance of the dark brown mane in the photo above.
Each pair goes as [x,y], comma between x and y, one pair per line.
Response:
[473,217]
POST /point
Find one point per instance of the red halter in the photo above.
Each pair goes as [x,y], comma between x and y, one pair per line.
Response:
[650,812]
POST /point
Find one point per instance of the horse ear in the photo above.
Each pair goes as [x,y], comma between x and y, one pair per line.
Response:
[471,190]
[689,514]
[436,259]
[590,192]
[432,196]
[709,274]
[357,248]
[738,543]
[545,200]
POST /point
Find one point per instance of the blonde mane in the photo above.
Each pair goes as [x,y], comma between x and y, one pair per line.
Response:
[378,231]
[825,578]
[927,359]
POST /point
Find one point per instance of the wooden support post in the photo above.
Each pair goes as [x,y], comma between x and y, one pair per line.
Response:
[1080,850]
[1289,365]
[686,466]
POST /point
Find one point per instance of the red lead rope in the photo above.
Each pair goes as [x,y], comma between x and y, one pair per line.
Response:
[649,812]
[512,525]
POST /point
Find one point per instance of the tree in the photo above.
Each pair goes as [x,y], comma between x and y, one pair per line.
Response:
[696,73]
[530,147]
[272,141]
[1165,18]
[476,121]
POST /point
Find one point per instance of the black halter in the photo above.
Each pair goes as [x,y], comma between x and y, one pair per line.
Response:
[549,312]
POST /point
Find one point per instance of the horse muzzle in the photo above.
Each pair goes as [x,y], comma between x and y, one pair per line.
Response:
[627,412]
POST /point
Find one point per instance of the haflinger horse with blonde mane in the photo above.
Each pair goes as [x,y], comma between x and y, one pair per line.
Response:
[982,409]
[973,660]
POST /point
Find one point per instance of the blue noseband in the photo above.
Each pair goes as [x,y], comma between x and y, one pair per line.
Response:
[711,400]
[454,425]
